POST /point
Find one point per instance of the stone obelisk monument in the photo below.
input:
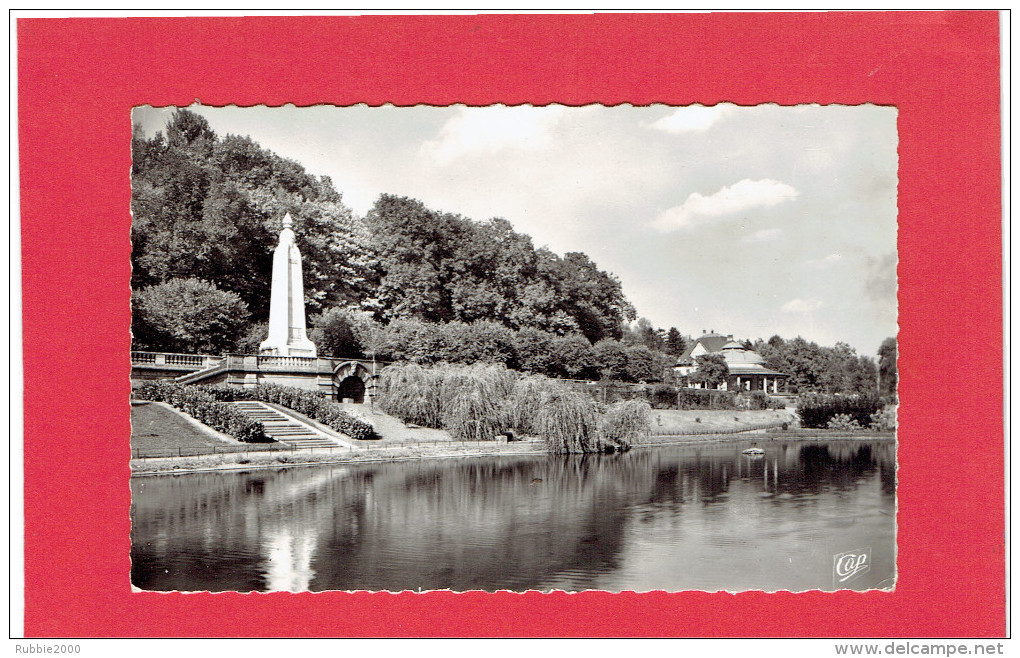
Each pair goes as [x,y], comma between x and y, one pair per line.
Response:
[287,335]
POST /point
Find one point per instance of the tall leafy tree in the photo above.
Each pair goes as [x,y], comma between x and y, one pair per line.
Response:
[441,267]
[187,315]
[334,334]
[611,359]
[210,208]
[675,343]
[813,368]
[888,375]
[712,370]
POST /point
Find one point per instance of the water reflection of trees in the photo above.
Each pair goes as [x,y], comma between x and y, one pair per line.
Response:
[481,525]
[705,474]
[510,523]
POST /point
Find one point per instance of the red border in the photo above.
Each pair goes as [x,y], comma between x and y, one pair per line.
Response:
[78,78]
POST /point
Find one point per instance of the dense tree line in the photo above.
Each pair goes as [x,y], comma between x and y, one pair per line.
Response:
[356,334]
[208,209]
[404,283]
[814,368]
[442,267]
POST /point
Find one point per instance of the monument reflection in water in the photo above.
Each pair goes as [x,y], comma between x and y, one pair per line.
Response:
[681,518]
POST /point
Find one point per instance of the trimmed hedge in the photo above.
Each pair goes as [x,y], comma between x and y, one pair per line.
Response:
[702,398]
[816,411]
[309,403]
[663,396]
[204,407]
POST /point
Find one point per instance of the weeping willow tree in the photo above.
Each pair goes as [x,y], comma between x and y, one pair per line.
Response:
[479,402]
[626,422]
[569,423]
[473,400]
[525,401]
[412,394]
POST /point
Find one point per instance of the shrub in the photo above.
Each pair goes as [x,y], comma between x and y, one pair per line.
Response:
[252,337]
[611,359]
[884,420]
[757,400]
[306,402]
[204,407]
[482,341]
[535,350]
[573,357]
[663,396]
[817,410]
[334,333]
[625,423]
[568,423]
[843,422]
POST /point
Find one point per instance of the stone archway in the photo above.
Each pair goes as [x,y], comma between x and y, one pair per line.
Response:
[351,388]
[352,380]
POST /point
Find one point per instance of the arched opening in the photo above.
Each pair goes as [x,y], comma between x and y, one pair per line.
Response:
[351,387]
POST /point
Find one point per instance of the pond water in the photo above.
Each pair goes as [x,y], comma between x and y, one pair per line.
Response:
[669,518]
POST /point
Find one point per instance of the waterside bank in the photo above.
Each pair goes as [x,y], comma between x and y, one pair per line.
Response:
[289,459]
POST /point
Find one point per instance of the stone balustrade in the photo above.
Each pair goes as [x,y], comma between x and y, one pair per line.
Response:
[172,361]
[288,362]
[320,374]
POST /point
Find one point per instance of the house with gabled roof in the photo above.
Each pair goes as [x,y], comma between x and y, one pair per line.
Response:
[747,369]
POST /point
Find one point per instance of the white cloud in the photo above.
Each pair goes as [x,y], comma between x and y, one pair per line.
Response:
[764,235]
[739,197]
[693,118]
[819,263]
[801,306]
[880,282]
[477,130]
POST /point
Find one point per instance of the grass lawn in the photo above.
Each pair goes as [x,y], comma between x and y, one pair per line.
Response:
[704,420]
[155,427]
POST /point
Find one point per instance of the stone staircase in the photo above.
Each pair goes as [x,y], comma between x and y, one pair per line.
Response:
[285,429]
[204,373]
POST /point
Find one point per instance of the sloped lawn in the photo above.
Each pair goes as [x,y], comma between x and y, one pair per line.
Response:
[155,427]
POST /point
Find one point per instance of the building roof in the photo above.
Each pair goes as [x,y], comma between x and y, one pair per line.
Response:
[739,356]
[712,342]
[753,369]
[739,360]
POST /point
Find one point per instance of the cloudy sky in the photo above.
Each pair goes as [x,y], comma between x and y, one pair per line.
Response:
[752,221]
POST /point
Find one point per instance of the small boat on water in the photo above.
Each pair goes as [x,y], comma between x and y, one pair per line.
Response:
[754,450]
